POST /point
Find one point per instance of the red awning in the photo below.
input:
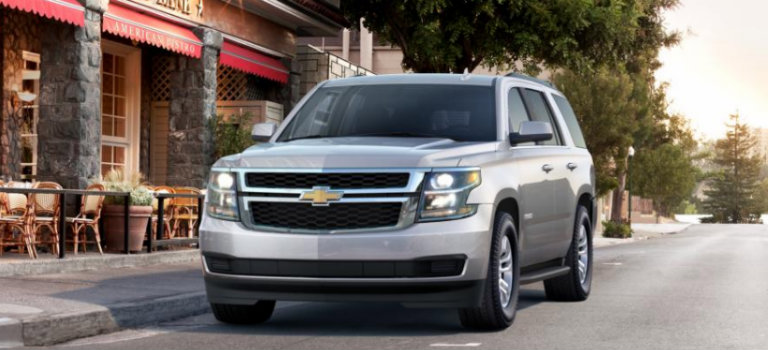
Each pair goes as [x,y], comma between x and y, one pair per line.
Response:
[250,61]
[68,11]
[133,25]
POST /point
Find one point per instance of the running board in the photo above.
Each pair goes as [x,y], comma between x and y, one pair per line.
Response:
[544,274]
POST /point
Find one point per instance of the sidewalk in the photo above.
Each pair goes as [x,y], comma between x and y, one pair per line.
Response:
[48,309]
[641,232]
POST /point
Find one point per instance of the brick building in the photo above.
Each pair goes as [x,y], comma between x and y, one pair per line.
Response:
[91,85]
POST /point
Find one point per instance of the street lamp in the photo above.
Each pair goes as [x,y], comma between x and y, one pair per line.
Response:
[631,153]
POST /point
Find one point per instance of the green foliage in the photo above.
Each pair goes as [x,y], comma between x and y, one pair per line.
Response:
[689,207]
[762,196]
[449,36]
[616,230]
[733,194]
[665,174]
[118,181]
[231,134]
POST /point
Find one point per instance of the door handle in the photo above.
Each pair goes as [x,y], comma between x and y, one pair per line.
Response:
[572,166]
[547,168]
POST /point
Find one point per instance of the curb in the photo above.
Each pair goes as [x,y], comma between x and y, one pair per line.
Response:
[10,333]
[83,263]
[608,242]
[53,329]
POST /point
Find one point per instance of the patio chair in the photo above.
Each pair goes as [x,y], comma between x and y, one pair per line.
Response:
[16,216]
[185,209]
[45,214]
[90,213]
[167,211]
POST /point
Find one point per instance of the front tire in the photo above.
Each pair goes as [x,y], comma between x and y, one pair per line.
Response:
[244,314]
[502,284]
[575,286]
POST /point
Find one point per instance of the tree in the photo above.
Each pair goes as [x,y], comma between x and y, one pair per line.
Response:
[733,195]
[450,36]
[665,174]
[762,196]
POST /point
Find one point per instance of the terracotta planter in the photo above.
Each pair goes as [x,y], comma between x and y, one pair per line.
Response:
[114,219]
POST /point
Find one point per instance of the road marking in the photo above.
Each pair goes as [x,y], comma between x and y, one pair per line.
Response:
[466,345]
[612,263]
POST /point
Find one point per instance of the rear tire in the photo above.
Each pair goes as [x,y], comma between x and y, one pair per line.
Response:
[244,314]
[575,285]
[502,284]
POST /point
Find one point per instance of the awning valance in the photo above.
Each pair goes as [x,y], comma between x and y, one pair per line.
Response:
[250,61]
[130,24]
[68,11]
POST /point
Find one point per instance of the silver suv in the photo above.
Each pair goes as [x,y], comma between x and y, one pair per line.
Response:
[431,190]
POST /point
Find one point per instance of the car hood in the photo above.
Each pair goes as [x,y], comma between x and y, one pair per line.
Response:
[357,152]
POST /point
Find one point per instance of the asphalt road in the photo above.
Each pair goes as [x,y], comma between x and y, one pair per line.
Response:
[706,287]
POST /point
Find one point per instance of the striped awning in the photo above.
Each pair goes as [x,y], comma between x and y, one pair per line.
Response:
[67,11]
[131,24]
[251,61]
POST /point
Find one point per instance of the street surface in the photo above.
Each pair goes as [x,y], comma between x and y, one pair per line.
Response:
[706,287]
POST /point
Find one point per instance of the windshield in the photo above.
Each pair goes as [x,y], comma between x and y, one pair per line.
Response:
[461,113]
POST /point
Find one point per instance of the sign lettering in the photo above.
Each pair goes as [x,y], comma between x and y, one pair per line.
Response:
[189,9]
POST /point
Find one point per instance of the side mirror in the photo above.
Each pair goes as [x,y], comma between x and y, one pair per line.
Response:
[263,131]
[531,132]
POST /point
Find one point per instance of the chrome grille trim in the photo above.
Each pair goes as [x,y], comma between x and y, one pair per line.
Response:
[409,197]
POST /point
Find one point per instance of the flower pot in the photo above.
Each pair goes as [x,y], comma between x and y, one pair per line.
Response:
[114,219]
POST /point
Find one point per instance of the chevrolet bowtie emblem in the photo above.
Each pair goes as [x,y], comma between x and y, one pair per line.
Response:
[320,196]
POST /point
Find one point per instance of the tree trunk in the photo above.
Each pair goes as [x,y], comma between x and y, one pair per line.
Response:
[618,199]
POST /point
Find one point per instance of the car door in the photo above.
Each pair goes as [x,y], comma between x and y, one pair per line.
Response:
[554,159]
[574,165]
[531,168]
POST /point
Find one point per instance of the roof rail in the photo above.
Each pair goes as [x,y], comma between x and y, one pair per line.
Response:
[532,79]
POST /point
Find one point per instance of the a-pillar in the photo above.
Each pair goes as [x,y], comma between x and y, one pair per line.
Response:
[192,109]
[69,129]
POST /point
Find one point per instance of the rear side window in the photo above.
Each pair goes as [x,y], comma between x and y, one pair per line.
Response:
[539,111]
[570,121]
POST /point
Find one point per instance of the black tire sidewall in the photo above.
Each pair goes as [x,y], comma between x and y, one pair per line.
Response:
[504,225]
[582,219]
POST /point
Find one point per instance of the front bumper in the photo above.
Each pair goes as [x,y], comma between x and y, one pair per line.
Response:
[468,238]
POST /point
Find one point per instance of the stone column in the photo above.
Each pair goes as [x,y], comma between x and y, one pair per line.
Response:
[70,100]
[192,107]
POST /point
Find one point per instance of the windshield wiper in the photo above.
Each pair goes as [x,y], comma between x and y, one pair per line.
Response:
[402,134]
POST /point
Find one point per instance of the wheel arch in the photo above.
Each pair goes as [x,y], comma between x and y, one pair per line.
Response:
[588,201]
[506,202]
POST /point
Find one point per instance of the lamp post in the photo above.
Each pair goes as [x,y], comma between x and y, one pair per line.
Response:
[631,153]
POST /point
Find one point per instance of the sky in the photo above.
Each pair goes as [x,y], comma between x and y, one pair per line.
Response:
[721,65]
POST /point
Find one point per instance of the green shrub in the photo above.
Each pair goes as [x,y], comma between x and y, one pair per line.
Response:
[616,230]
[231,134]
[118,181]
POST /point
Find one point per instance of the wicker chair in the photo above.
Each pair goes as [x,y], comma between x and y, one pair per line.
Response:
[90,213]
[16,216]
[45,213]
[167,212]
[185,209]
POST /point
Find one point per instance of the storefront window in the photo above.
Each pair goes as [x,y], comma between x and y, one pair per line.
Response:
[114,119]
[29,115]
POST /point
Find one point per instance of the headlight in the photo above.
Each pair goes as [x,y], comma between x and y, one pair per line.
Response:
[221,199]
[445,195]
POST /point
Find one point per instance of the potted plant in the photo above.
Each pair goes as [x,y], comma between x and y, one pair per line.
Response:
[113,213]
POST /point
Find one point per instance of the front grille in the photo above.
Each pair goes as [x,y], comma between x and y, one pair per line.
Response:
[431,267]
[337,216]
[332,180]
